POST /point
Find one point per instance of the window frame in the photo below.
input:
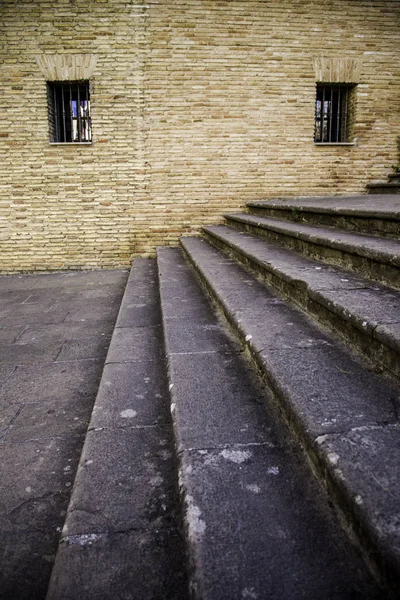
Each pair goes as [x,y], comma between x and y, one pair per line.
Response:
[334,114]
[69,112]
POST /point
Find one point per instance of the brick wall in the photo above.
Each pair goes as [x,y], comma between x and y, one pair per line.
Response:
[197,106]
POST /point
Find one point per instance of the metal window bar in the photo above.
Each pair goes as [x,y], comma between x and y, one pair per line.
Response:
[63,114]
[345,119]
[56,133]
[78,112]
[330,116]
[338,115]
[71,114]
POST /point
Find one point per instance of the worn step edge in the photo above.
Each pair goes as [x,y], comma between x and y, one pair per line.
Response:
[371,339]
[224,424]
[370,262]
[70,578]
[371,222]
[383,562]
[320,205]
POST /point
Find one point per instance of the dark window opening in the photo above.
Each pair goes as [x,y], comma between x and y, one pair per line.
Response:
[333,113]
[69,111]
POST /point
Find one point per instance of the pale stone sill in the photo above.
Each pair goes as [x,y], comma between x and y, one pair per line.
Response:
[335,143]
[71,143]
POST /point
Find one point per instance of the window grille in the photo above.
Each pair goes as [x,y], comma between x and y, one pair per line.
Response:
[333,113]
[69,111]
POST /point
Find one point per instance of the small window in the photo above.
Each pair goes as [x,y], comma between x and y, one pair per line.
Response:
[334,110]
[69,111]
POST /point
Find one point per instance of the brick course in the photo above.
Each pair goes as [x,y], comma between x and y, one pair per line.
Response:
[198,106]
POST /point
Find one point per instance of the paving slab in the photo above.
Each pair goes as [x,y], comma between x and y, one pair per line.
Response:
[135,343]
[53,381]
[217,415]
[255,524]
[132,393]
[45,407]
[26,559]
[89,347]
[134,466]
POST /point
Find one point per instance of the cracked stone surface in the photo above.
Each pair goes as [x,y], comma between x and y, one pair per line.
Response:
[54,329]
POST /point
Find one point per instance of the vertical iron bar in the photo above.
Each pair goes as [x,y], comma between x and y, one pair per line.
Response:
[331,116]
[55,108]
[71,113]
[346,110]
[338,138]
[78,114]
[63,112]
[89,129]
[323,116]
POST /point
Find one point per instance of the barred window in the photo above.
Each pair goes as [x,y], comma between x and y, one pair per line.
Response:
[334,113]
[69,111]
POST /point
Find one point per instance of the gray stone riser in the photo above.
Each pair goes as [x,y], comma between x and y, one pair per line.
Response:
[384,188]
[365,266]
[347,222]
[383,353]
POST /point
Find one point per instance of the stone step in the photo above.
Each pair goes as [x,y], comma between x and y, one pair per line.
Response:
[370,257]
[363,214]
[257,523]
[121,537]
[364,314]
[344,416]
[384,187]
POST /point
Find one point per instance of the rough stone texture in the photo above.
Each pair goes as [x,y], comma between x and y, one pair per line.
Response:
[372,257]
[350,206]
[197,107]
[121,536]
[323,390]
[256,523]
[45,404]
[255,518]
[140,564]
[356,456]
[362,312]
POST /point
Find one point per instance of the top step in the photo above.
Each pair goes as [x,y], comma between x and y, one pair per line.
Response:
[375,215]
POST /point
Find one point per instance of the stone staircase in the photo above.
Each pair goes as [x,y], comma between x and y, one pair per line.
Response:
[245,437]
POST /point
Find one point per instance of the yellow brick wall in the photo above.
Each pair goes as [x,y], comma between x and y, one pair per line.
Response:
[198,106]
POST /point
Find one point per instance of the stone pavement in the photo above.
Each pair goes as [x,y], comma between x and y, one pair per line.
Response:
[55,330]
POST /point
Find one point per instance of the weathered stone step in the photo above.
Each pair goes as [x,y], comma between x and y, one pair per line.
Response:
[121,537]
[370,257]
[365,314]
[363,214]
[258,524]
[344,416]
[384,187]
